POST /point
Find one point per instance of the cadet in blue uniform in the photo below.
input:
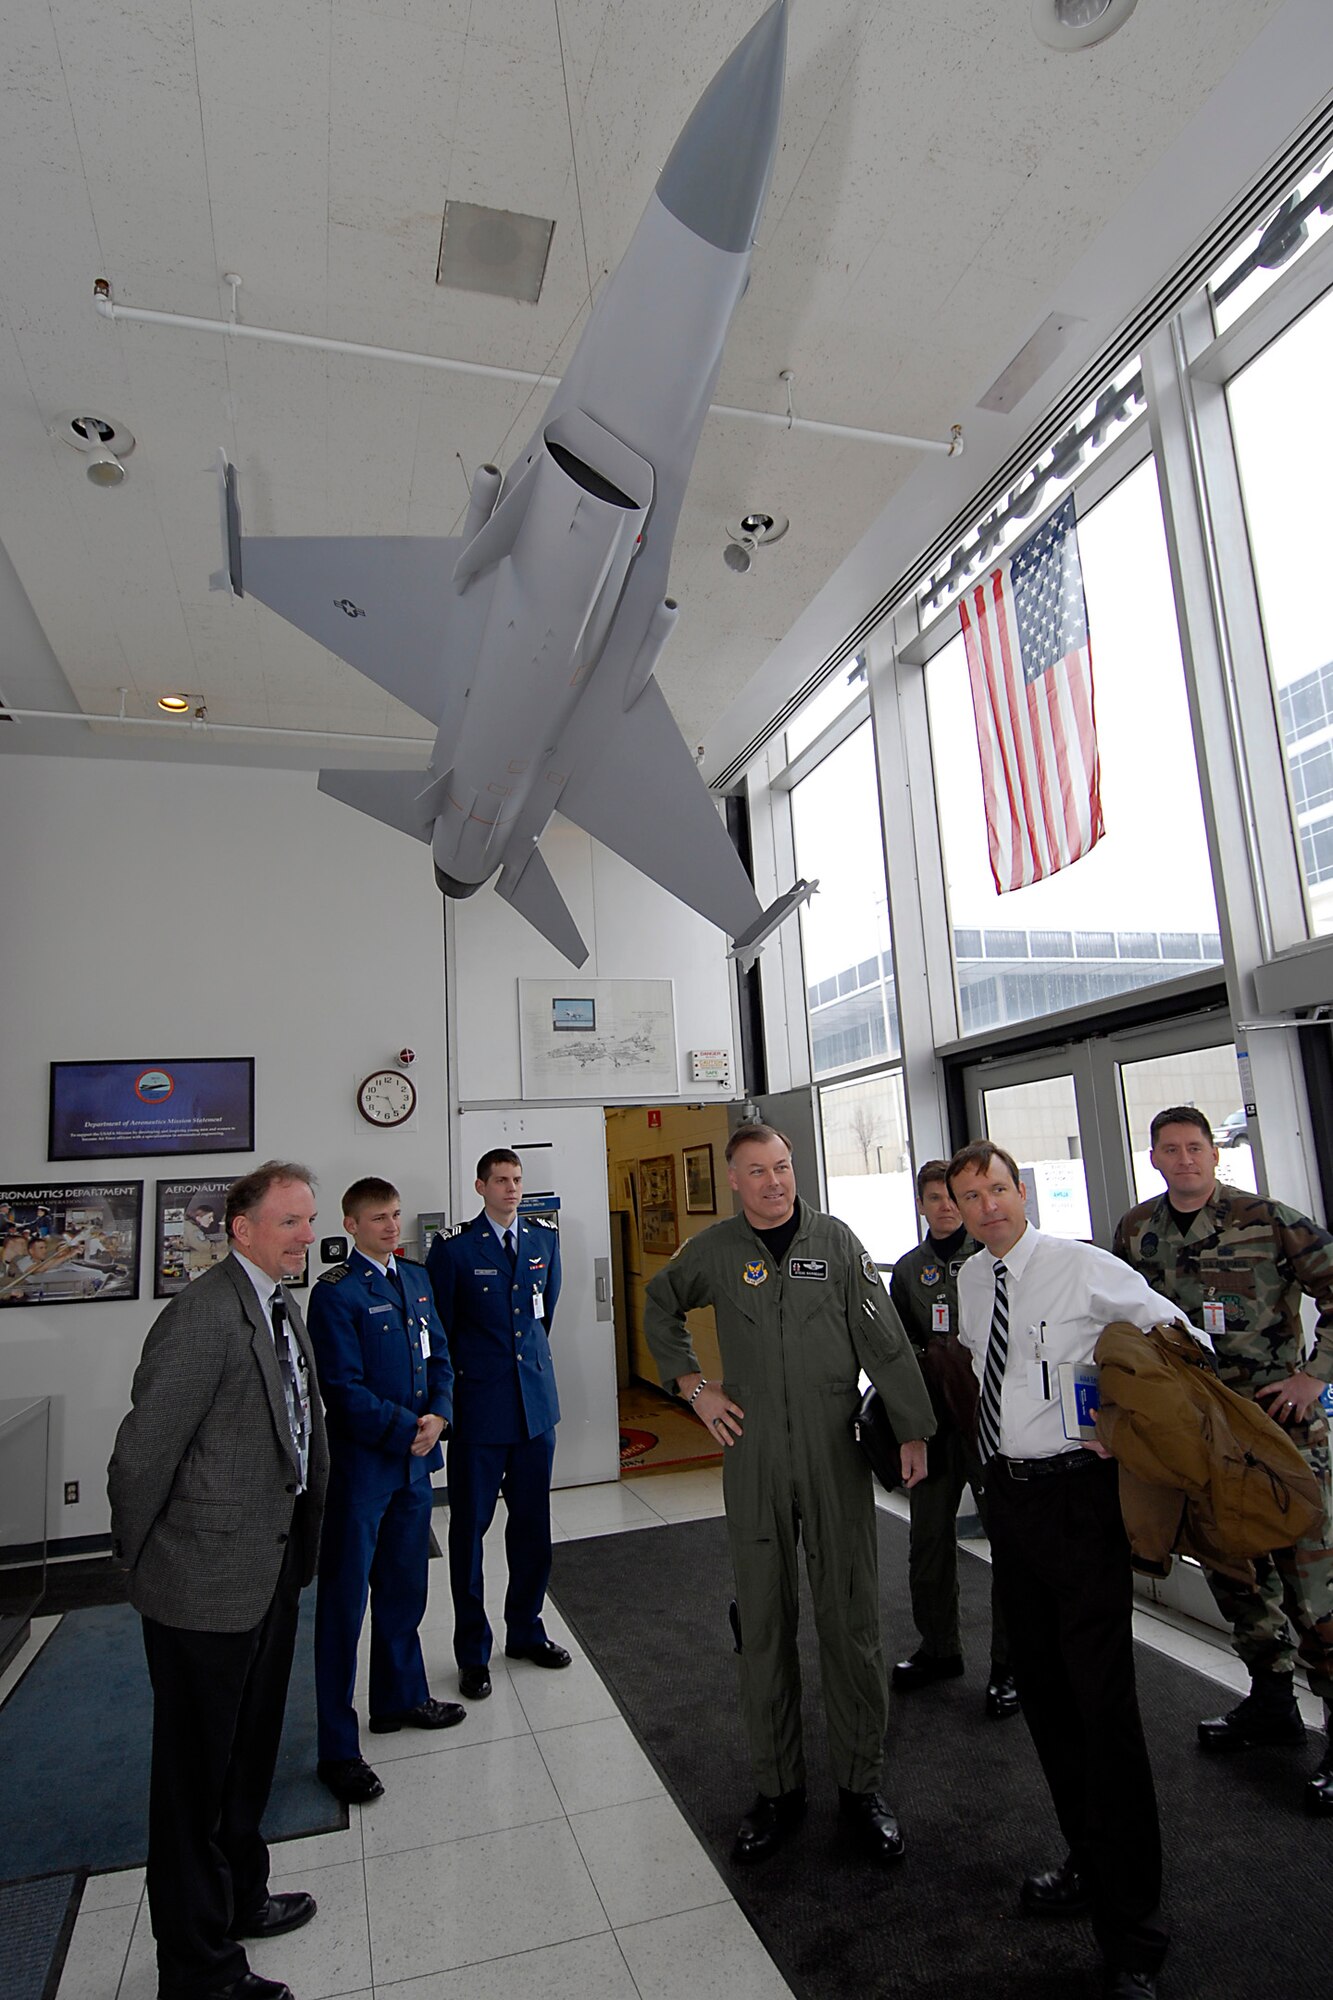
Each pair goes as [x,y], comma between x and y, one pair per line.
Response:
[496,1284]
[387,1384]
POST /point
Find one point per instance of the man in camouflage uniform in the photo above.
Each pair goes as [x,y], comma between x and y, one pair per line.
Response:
[924,1289]
[800,1311]
[1237,1264]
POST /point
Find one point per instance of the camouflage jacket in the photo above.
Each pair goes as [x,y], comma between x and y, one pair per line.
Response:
[1253,1256]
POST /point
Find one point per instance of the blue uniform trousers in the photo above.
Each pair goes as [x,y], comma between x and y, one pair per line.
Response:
[478,1475]
[373,1545]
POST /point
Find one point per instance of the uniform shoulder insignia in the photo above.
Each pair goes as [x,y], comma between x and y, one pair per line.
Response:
[334,1276]
[868,1267]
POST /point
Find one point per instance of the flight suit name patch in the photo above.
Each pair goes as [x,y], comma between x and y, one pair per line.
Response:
[755,1272]
[808,1267]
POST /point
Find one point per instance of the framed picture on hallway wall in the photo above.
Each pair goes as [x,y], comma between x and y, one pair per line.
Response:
[659,1230]
[700,1189]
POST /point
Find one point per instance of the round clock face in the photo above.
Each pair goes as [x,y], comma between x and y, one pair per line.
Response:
[386,1097]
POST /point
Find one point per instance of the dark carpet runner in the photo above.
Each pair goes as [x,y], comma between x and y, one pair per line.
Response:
[1248,1873]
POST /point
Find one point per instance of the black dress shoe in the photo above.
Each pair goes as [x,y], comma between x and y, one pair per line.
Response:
[428,1714]
[769,1822]
[1269,1714]
[474,1683]
[1121,1984]
[545,1653]
[1058,1892]
[875,1826]
[278,1914]
[923,1668]
[349,1779]
[249,1986]
[1319,1787]
[1001,1695]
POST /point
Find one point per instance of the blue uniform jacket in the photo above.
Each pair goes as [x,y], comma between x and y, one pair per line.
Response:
[504,1382]
[377,1374]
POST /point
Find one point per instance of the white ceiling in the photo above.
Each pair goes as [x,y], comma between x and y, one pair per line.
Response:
[940,175]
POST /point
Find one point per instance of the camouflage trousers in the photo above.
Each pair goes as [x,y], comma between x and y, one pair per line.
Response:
[1288,1613]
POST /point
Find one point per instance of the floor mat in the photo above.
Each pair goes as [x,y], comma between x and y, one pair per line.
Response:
[36,1919]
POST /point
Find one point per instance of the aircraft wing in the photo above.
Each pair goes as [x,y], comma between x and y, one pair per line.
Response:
[640,793]
[386,604]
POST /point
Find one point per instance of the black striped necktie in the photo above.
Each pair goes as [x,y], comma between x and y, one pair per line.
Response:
[988,1416]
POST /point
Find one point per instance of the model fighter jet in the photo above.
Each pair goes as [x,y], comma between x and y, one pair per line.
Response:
[531,639]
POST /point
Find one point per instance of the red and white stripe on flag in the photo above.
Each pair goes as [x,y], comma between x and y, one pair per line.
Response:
[1029,660]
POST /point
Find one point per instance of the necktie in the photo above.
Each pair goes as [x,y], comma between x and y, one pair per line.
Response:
[988,1415]
[511,1250]
[298,1403]
[395,1279]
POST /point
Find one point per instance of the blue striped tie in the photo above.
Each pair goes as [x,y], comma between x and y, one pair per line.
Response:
[988,1416]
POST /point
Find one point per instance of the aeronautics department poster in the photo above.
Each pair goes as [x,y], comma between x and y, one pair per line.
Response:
[189,1235]
[122,1110]
[63,1245]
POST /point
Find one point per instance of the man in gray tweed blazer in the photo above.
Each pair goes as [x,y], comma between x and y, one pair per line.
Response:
[217,1486]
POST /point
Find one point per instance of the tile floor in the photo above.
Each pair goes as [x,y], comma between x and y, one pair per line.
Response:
[531,1854]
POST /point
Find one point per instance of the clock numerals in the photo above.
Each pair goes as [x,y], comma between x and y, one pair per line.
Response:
[386,1097]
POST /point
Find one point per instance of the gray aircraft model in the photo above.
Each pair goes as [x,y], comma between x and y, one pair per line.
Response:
[532,638]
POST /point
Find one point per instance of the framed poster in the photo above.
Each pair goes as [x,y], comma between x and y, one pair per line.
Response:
[127,1110]
[658,1228]
[700,1191]
[606,1040]
[188,1233]
[64,1245]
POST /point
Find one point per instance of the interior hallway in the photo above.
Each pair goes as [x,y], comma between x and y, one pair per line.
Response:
[530,1854]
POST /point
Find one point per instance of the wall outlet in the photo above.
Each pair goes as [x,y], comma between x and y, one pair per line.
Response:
[71,1492]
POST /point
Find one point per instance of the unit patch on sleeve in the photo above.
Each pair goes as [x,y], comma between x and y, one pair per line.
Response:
[868,1267]
[808,1267]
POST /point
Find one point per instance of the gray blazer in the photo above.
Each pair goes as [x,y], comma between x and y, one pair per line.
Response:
[203,1476]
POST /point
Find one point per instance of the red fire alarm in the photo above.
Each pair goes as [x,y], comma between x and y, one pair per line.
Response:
[654,1118]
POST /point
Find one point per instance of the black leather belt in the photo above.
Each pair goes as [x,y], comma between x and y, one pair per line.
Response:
[1046,1468]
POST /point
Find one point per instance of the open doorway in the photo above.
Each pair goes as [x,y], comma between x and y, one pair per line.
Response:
[666,1181]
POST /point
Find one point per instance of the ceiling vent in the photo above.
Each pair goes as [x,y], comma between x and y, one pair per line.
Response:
[492,250]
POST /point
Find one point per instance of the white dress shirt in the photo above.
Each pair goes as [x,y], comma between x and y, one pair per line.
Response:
[1061,1295]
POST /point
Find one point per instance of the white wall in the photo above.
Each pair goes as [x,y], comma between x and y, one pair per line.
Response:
[633,930]
[165,911]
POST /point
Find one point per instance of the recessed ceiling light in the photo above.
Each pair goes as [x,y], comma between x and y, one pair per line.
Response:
[174,704]
[1069,25]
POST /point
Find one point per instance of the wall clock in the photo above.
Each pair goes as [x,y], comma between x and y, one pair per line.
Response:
[386,1097]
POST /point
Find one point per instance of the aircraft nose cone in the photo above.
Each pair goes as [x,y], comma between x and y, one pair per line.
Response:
[717,176]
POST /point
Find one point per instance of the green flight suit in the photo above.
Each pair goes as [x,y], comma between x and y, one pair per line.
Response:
[793,1341]
[1247,1260]
[924,1289]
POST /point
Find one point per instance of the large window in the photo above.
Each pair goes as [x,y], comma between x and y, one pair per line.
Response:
[867,1163]
[1140,907]
[845,926]
[1282,418]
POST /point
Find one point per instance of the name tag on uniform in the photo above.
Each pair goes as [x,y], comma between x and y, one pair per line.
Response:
[490,1273]
[538,1306]
[1214,1316]
[939,1317]
[808,1267]
[381,1309]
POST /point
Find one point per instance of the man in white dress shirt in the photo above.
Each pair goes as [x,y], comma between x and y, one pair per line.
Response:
[1028,1303]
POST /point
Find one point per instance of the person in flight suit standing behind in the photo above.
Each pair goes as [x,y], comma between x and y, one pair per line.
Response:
[496,1284]
[387,1385]
[924,1289]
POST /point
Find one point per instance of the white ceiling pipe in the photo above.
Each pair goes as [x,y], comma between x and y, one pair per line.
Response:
[205,726]
[234,330]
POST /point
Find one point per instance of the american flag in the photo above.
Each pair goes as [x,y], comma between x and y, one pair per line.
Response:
[1029,660]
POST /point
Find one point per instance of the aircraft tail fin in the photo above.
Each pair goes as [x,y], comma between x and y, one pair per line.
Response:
[532,892]
[393,797]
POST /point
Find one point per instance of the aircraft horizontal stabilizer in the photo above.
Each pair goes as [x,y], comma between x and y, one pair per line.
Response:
[393,797]
[641,795]
[384,603]
[532,892]
[748,946]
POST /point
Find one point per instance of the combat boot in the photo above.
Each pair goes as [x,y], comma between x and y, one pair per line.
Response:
[1269,1715]
[1319,1788]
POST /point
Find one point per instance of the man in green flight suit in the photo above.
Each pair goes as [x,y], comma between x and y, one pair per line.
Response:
[1237,1264]
[924,1291]
[800,1311]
